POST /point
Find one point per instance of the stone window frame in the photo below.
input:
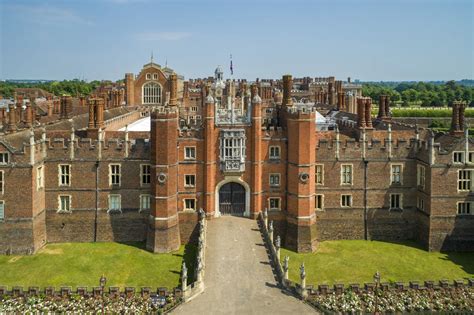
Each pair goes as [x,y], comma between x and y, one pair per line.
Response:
[143,174]
[189,157]
[60,209]
[273,156]
[392,174]
[148,76]
[185,208]
[461,155]
[155,76]
[4,161]
[345,196]
[2,182]
[150,98]
[40,177]
[2,212]
[194,109]
[141,197]
[111,174]
[62,176]
[470,157]
[321,208]
[278,208]
[468,181]
[351,173]
[393,206]
[469,208]
[192,178]
[421,176]
[119,209]
[321,183]
[278,175]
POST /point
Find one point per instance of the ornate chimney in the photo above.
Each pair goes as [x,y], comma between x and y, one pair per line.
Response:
[287,86]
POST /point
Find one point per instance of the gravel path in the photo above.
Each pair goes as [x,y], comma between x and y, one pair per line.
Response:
[239,277]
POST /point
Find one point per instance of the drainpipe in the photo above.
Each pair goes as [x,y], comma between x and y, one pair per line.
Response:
[366,163]
[96,199]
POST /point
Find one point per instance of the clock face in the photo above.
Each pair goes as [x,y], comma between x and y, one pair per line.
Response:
[218,92]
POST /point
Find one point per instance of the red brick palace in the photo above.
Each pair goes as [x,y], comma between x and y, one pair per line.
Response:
[135,161]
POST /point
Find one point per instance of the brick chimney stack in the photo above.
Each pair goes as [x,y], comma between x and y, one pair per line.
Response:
[65,107]
[287,86]
[387,106]
[368,112]
[361,112]
[341,101]
[458,120]
[382,115]
[11,118]
[29,114]
[173,90]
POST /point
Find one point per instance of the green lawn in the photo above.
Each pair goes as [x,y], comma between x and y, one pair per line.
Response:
[82,264]
[356,261]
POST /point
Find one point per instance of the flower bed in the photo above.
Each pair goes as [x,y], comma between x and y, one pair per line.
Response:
[88,304]
[394,301]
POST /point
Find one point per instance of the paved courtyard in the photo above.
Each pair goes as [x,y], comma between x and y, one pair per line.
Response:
[239,277]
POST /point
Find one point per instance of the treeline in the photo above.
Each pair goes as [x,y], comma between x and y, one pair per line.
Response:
[420,93]
[66,87]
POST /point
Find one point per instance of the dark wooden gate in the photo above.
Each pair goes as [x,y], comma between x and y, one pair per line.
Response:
[232,199]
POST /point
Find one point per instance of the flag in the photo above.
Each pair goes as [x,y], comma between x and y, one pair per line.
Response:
[231,67]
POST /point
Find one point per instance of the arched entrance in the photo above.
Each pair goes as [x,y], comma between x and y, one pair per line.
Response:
[232,199]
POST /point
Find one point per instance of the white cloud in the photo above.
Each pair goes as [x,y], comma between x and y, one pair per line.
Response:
[161,36]
[47,14]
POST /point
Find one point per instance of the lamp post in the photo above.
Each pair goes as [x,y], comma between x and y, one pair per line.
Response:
[377,283]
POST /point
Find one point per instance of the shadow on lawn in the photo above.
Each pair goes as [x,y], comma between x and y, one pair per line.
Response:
[464,260]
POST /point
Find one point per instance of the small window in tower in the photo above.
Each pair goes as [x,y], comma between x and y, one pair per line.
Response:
[274,152]
[319,202]
[190,204]
[395,201]
[64,175]
[396,174]
[114,174]
[275,180]
[64,203]
[145,201]
[189,180]
[145,174]
[274,203]
[115,203]
[189,153]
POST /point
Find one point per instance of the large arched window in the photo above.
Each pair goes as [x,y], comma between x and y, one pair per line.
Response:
[151,93]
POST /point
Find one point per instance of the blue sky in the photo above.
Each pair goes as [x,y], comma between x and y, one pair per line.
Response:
[364,39]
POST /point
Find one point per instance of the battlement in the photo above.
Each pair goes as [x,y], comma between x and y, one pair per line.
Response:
[301,112]
[273,132]
[164,111]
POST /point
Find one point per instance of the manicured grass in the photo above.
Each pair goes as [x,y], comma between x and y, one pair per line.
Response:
[356,261]
[82,264]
